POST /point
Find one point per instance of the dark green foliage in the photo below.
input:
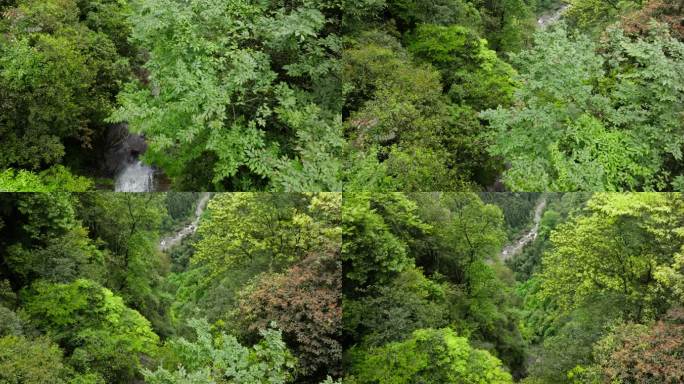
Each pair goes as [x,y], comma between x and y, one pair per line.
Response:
[128,225]
[472,73]
[180,204]
[46,241]
[377,231]
[10,323]
[398,118]
[558,208]
[58,78]
[415,79]
[454,238]
[391,312]
[582,96]
[517,208]
[409,13]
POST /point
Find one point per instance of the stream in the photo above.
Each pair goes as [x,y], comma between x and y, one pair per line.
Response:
[171,241]
[516,247]
[552,17]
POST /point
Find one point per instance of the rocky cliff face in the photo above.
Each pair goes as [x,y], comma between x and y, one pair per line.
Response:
[123,149]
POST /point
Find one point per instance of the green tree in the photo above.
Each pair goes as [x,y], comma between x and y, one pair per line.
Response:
[376,231]
[467,232]
[98,333]
[429,356]
[223,360]
[56,178]
[397,110]
[593,14]
[391,312]
[47,241]
[471,72]
[128,225]
[10,323]
[507,24]
[594,118]
[409,13]
[218,112]
[24,361]
[402,125]
[613,252]
[569,340]
[180,205]
[276,229]
[57,79]
[244,235]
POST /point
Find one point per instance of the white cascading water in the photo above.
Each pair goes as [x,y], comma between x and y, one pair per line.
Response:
[552,17]
[175,239]
[135,177]
[513,249]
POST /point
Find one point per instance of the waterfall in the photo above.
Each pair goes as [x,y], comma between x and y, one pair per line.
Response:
[135,177]
[122,161]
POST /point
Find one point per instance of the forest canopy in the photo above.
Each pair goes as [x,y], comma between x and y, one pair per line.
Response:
[120,288]
[381,95]
[501,288]
[360,288]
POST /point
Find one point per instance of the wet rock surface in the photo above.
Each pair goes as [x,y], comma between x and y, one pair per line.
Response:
[122,161]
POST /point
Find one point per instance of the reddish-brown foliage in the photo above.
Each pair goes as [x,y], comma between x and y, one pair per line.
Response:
[670,12]
[305,303]
[653,356]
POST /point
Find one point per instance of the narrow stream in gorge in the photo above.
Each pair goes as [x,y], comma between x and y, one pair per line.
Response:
[168,242]
[552,17]
[516,247]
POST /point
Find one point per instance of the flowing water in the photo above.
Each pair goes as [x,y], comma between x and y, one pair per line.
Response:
[168,242]
[122,160]
[516,247]
[135,177]
[552,17]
